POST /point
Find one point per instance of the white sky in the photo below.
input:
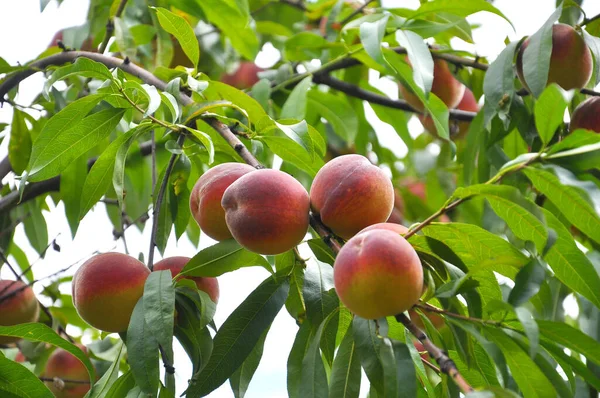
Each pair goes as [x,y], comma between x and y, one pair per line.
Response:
[26,33]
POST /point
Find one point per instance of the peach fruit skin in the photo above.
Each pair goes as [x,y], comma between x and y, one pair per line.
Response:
[206,196]
[244,77]
[570,60]
[586,115]
[377,273]
[175,264]
[349,193]
[106,288]
[267,211]
[444,85]
[65,366]
[467,103]
[23,307]
[395,228]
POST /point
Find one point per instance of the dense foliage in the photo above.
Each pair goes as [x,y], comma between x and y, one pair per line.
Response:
[501,197]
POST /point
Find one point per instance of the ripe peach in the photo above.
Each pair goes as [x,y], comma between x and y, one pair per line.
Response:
[175,264]
[19,306]
[20,357]
[106,289]
[65,366]
[395,228]
[586,115]
[244,77]
[205,199]
[467,103]
[436,319]
[350,193]
[377,273]
[444,85]
[570,60]
[267,211]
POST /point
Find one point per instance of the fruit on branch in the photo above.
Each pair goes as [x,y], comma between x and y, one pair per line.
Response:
[106,288]
[65,366]
[349,193]
[18,304]
[175,264]
[395,228]
[377,273]
[445,86]
[267,211]
[586,115]
[436,319]
[245,76]
[205,199]
[570,61]
[20,357]
[457,129]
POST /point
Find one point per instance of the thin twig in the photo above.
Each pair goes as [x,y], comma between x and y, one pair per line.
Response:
[50,379]
[59,328]
[110,26]
[8,264]
[359,10]
[159,199]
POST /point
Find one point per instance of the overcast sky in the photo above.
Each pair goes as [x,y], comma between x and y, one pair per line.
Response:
[26,32]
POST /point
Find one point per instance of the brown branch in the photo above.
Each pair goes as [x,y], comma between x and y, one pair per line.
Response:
[447,365]
[325,233]
[225,132]
[110,26]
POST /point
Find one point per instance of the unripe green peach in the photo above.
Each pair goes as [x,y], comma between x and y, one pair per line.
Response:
[377,273]
[18,304]
[106,289]
[457,129]
[175,264]
[245,76]
[65,366]
[267,211]
[206,196]
[349,193]
[586,115]
[570,61]
[445,86]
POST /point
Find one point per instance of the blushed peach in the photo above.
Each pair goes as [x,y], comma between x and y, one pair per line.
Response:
[457,129]
[586,115]
[65,366]
[175,264]
[18,304]
[245,76]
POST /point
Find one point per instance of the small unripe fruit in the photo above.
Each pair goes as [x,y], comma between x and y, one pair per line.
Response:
[19,306]
[444,85]
[244,77]
[175,264]
[395,228]
[267,211]
[65,366]
[570,61]
[586,115]
[436,320]
[457,129]
[106,289]
[349,193]
[377,273]
[206,196]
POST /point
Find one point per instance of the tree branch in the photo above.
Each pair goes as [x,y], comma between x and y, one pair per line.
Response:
[110,26]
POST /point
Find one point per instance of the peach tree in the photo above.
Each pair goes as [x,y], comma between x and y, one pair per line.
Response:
[440,271]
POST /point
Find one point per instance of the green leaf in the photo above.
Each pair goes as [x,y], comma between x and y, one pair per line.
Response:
[223,257]
[593,43]
[337,111]
[234,23]
[318,281]
[82,66]
[54,150]
[217,91]
[574,143]
[19,146]
[142,349]
[120,157]
[530,379]
[313,379]
[296,357]
[183,32]
[419,57]
[371,35]
[238,336]
[478,248]
[35,226]
[460,8]
[298,132]
[72,181]
[368,346]
[549,111]
[159,306]
[400,379]
[42,333]
[242,377]
[295,105]
[536,57]
[205,140]
[18,381]
[100,176]
[345,372]
[571,338]
[305,46]
[568,200]
[531,329]
[291,152]
[527,283]
[104,387]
